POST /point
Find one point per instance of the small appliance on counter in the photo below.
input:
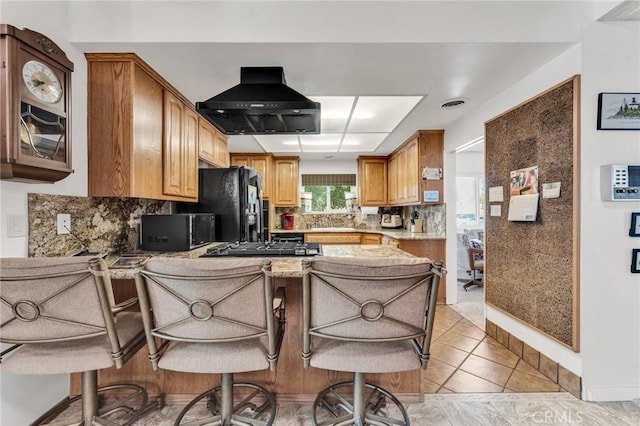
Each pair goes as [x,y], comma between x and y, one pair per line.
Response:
[391,221]
[176,232]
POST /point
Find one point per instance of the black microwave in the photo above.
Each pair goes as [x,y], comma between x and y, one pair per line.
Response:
[176,232]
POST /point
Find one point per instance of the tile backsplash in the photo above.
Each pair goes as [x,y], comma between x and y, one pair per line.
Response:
[98,224]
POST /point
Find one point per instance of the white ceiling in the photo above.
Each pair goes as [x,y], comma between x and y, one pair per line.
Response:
[464,49]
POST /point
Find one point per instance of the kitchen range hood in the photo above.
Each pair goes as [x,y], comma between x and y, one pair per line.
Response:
[261,104]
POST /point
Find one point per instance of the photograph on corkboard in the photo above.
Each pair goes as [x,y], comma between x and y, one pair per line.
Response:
[524,181]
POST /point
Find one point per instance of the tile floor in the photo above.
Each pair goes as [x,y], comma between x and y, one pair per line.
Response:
[465,360]
[517,409]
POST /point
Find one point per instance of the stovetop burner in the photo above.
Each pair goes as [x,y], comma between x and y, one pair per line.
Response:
[267,249]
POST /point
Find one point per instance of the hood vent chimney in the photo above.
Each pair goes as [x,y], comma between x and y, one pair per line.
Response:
[262,104]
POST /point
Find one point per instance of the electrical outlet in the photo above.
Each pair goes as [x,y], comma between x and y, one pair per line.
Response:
[63,223]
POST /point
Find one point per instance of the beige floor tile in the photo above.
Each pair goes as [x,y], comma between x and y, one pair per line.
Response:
[486,369]
[523,382]
[429,387]
[526,368]
[438,371]
[463,382]
[444,311]
[496,352]
[469,329]
[445,390]
[447,354]
[458,341]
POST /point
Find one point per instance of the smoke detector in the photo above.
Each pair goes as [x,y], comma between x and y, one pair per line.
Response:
[453,103]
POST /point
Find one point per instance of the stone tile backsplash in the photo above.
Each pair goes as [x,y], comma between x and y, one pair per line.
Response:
[99,224]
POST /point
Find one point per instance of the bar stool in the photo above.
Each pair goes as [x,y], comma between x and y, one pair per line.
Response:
[366,315]
[59,314]
[213,316]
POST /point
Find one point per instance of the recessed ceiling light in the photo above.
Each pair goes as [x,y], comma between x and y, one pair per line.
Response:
[453,103]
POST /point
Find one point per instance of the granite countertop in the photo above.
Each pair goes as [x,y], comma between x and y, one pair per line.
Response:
[399,233]
[283,267]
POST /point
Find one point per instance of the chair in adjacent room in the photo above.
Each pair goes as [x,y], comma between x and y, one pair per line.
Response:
[213,316]
[366,315]
[59,316]
[475,253]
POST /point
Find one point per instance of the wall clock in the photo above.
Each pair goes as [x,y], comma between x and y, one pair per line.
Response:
[35,88]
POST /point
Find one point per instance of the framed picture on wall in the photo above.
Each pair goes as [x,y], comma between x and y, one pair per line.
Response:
[619,111]
[634,231]
[635,261]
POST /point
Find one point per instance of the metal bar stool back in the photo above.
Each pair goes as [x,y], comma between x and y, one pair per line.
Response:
[366,315]
[59,316]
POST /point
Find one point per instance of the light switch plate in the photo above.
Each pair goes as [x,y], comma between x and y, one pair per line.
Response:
[16,225]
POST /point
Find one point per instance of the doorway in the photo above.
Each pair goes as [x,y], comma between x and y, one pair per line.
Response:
[470,220]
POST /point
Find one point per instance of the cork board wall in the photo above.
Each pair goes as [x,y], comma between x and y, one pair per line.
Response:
[531,268]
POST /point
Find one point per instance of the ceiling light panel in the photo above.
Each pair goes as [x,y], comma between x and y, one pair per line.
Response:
[278,143]
[334,112]
[362,142]
[320,143]
[380,114]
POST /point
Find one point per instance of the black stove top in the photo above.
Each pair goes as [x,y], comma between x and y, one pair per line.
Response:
[268,249]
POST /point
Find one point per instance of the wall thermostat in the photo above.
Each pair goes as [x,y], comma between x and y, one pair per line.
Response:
[431,196]
[620,182]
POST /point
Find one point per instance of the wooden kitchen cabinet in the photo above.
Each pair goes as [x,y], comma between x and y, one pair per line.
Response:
[370,239]
[392,180]
[142,133]
[263,163]
[332,237]
[286,182]
[212,145]
[432,249]
[372,181]
[179,149]
[423,149]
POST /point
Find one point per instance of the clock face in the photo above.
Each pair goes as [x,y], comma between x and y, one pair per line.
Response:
[42,82]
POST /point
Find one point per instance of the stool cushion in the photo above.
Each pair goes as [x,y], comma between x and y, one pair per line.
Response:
[359,357]
[230,357]
[72,356]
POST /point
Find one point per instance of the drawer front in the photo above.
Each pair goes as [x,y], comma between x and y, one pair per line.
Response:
[332,238]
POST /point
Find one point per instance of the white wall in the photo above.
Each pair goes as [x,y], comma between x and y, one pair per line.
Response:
[470,163]
[610,294]
[609,359]
[41,392]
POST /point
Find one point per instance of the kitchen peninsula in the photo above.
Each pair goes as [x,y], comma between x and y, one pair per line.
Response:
[290,381]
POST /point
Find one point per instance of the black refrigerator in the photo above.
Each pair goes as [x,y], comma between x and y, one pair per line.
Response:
[234,195]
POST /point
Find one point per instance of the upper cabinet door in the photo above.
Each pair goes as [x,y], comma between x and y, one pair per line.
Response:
[412,174]
[212,145]
[392,172]
[190,153]
[372,181]
[286,181]
[180,149]
[172,151]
